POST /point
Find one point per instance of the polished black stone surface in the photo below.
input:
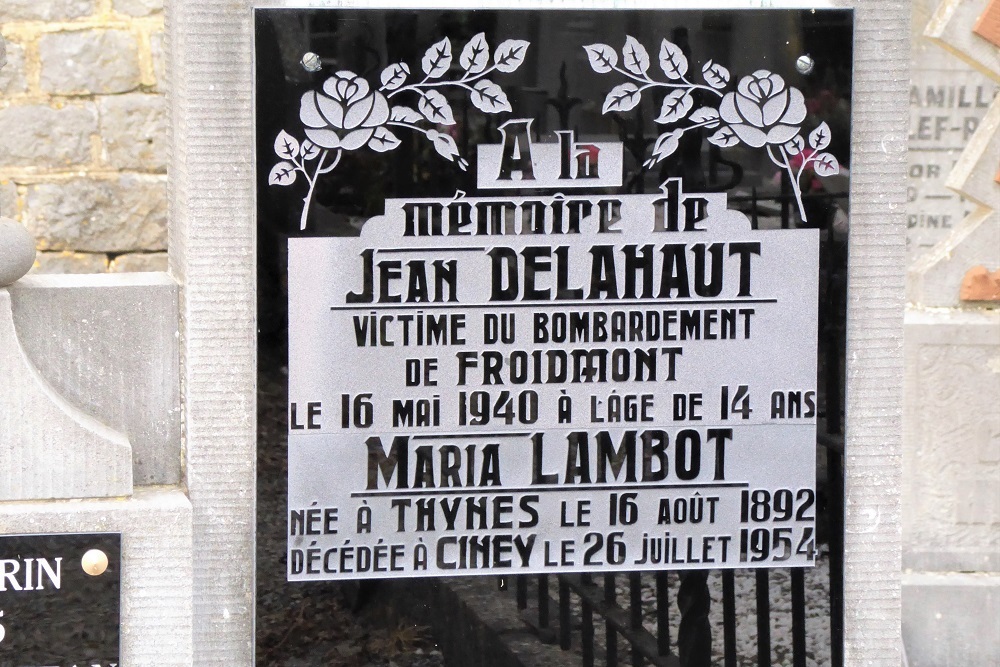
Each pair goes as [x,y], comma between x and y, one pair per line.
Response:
[52,613]
[562,88]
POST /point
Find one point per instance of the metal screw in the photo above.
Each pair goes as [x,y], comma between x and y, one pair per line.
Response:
[94,562]
[805,64]
[311,62]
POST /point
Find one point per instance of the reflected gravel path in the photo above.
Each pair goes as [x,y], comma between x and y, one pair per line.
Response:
[310,625]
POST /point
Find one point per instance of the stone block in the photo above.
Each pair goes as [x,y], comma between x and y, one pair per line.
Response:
[41,136]
[139,262]
[48,447]
[951,620]
[124,214]
[89,61]
[157,41]
[8,200]
[50,10]
[951,518]
[138,7]
[134,131]
[12,76]
[978,502]
[70,262]
[156,602]
[936,278]
[108,345]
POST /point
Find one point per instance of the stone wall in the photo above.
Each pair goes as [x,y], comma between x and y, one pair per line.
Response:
[83,132]
[951,343]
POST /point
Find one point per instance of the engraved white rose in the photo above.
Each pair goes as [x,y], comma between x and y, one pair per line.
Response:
[344,114]
[763,110]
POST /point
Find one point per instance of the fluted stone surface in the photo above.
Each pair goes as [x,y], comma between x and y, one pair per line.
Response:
[48,448]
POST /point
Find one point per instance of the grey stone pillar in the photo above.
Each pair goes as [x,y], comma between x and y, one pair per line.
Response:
[211,254]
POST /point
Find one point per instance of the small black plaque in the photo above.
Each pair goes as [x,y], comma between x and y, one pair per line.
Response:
[53,612]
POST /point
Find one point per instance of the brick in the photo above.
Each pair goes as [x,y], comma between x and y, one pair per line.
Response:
[41,136]
[44,10]
[979,284]
[138,7]
[134,130]
[70,262]
[12,79]
[138,262]
[89,61]
[125,214]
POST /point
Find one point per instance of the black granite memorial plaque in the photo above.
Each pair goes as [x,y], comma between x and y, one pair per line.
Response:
[60,600]
[550,292]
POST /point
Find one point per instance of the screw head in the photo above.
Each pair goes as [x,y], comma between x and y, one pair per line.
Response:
[805,64]
[311,62]
[94,562]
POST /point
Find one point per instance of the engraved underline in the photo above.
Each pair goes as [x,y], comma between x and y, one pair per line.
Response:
[453,490]
[627,426]
[428,436]
[432,249]
[543,304]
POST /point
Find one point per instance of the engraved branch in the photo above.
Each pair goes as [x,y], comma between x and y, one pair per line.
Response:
[762,112]
[345,114]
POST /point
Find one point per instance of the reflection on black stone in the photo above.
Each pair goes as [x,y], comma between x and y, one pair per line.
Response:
[562,94]
[52,612]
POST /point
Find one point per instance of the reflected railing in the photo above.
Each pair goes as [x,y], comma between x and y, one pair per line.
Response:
[640,625]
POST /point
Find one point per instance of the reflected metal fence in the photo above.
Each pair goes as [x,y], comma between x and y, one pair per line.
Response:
[584,613]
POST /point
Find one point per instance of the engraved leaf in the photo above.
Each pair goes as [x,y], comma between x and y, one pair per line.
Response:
[795,145]
[282,173]
[622,98]
[286,146]
[724,137]
[826,164]
[437,59]
[673,62]
[706,116]
[383,140]
[510,54]
[676,105]
[394,76]
[309,150]
[476,55]
[445,145]
[489,97]
[820,137]
[403,114]
[715,74]
[602,57]
[666,144]
[435,108]
[635,58]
